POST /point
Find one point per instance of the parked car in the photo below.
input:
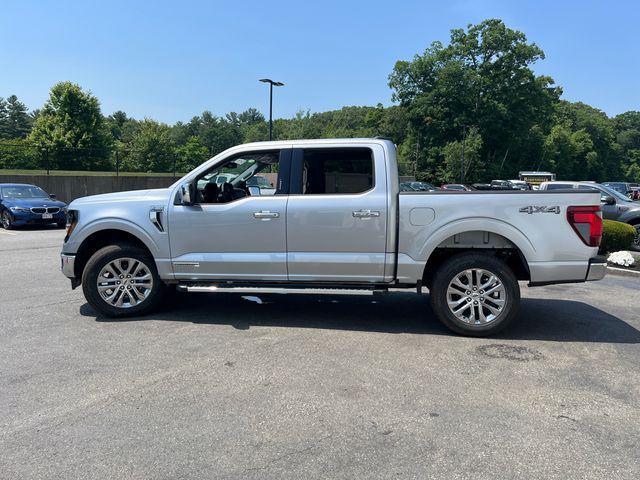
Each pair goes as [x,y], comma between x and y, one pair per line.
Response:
[502,185]
[519,185]
[337,221]
[456,187]
[423,187]
[615,205]
[22,204]
[624,188]
[481,186]
[265,188]
[406,187]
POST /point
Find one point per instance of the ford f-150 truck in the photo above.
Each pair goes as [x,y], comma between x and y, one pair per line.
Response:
[336,220]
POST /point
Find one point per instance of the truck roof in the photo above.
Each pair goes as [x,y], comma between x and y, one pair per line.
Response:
[319,141]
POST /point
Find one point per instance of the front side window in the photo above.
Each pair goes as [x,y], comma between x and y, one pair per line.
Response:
[337,171]
[233,178]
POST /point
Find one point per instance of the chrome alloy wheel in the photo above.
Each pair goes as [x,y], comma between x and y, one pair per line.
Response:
[125,282]
[636,239]
[476,296]
[6,220]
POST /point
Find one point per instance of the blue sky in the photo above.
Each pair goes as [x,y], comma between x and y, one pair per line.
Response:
[172,60]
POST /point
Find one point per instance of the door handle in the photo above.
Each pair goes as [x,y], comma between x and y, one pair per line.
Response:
[265,214]
[365,213]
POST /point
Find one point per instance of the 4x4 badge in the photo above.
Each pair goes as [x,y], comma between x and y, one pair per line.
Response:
[540,209]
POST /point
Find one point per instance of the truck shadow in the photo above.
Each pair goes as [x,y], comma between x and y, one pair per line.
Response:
[540,319]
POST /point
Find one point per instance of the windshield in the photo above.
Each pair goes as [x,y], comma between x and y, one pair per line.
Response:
[23,191]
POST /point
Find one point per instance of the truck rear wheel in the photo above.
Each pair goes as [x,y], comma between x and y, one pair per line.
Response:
[475,294]
[121,281]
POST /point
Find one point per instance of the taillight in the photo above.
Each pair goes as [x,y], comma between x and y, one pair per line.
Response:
[587,223]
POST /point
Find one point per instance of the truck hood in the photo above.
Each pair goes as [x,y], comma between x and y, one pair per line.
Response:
[155,195]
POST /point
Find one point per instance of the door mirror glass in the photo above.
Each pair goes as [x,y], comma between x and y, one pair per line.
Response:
[187,193]
[254,191]
[608,200]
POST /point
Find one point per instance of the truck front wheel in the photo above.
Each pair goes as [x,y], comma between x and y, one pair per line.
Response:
[122,280]
[475,294]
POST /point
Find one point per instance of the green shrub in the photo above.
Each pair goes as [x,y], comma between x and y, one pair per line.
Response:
[616,236]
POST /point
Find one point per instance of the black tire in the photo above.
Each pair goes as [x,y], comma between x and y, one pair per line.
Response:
[7,220]
[454,267]
[100,260]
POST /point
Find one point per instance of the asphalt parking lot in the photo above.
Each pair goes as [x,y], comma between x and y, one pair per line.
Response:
[310,386]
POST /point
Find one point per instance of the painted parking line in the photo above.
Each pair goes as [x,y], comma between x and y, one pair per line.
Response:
[7,233]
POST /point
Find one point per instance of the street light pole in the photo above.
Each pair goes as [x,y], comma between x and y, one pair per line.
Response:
[271,85]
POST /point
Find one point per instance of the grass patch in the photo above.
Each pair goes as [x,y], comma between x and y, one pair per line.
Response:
[68,173]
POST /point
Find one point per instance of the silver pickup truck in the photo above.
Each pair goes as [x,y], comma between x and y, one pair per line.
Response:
[335,219]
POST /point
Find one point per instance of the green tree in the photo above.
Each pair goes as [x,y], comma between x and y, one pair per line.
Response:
[482,79]
[150,148]
[190,154]
[72,130]
[15,121]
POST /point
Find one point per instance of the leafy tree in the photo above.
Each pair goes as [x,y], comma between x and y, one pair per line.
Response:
[72,130]
[452,167]
[150,148]
[190,154]
[481,79]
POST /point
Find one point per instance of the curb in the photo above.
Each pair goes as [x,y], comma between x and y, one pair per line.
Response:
[622,272]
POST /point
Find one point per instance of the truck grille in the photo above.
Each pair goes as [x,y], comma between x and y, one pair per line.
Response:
[41,210]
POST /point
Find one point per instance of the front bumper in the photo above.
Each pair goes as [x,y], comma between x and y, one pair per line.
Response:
[597,269]
[68,265]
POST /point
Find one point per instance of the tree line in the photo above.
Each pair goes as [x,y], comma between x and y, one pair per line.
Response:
[470,108]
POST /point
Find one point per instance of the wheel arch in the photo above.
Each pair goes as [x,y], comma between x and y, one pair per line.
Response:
[485,241]
[102,238]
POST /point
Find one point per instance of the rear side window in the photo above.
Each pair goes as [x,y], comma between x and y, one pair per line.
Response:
[337,171]
[559,186]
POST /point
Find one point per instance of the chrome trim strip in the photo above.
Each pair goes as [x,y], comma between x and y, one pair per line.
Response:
[597,270]
[68,265]
[187,264]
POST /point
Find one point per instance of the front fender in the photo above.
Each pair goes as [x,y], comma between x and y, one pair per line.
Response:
[111,223]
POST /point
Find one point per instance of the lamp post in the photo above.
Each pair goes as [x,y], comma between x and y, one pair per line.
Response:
[271,85]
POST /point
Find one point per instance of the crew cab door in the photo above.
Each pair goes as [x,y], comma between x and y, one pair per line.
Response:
[233,231]
[337,214]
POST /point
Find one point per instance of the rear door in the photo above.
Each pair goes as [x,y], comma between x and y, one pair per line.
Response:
[337,214]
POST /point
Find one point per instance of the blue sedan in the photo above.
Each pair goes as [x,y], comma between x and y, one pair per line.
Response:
[22,204]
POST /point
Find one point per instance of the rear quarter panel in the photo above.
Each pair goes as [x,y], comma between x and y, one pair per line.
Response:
[553,251]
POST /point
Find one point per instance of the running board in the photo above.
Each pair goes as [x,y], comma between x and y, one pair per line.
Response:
[279,290]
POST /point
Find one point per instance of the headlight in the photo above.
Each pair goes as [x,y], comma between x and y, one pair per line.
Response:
[19,209]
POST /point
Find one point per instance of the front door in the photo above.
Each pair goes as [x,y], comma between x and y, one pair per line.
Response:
[233,232]
[337,215]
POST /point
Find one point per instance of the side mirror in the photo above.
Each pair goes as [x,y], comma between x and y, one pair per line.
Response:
[609,200]
[188,193]
[52,196]
[254,191]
